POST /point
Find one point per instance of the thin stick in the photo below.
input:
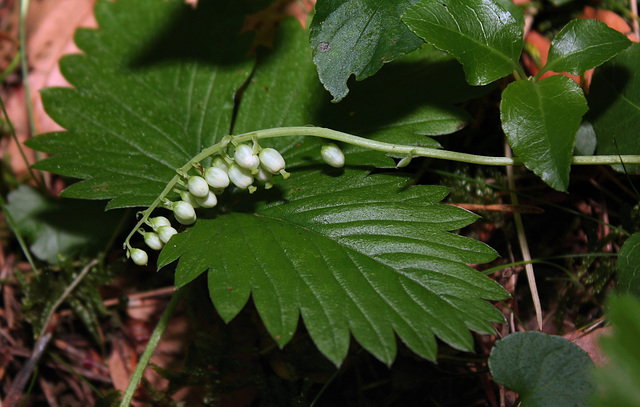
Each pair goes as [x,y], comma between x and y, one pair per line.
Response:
[38,180]
[524,245]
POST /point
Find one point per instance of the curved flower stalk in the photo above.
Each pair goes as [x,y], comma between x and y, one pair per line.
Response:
[251,163]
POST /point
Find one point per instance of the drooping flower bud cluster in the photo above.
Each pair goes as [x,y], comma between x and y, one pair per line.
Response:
[200,191]
[162,232]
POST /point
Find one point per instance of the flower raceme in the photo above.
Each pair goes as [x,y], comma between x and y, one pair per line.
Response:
[249,163]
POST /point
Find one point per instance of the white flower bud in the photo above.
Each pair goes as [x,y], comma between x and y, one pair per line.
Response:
[241,177]
[209,201]
[198,186]
[189,198]
[332,155]
[165,233]
[272,160]
[245,158]
[139,257]
[219,162]
[159,221]
[216,177]
[153,240]
[263,174]
[184,212]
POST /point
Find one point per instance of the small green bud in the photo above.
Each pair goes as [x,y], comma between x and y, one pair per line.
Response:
[139,257]
[165,233]
[216,177]
[152,240]
[332,155]
[209,201]
[245,158]
[271,160]
[241,177]
[198,186]
[184,212]
[158,221]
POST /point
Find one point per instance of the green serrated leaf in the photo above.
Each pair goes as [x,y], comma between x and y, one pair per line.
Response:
[58,230]
[355,253]
[545,370]
[583,44]
[147,96]
[617,381]
[350,255]
[540,120]
[614,98]
[356,37]
[481,34]
[628,266]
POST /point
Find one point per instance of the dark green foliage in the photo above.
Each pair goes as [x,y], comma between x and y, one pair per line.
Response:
[545,370]
[614,99]
[357,37]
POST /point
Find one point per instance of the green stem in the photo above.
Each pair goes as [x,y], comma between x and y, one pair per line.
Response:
[38,180]
[360,142]
[136,377]
[403,149]
[519,73]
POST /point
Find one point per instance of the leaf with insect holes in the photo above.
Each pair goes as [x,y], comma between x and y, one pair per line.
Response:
[147,96]
[481,34]
[357,37]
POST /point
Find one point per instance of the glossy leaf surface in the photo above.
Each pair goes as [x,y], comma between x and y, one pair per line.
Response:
[351,255]
[355,37]
[583,44]
[481,34]
[545,370]
[540,120]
